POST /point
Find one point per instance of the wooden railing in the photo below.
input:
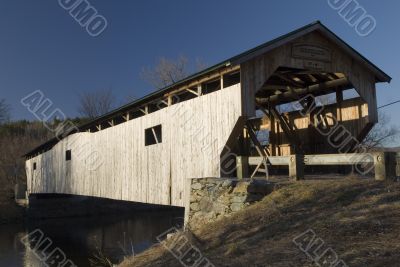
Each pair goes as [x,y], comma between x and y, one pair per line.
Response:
[384,164]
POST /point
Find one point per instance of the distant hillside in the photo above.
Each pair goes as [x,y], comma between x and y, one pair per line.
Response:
[358,219]
[17,138]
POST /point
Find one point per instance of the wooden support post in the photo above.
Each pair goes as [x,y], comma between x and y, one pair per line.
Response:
[296,167]
[192,91]
[222,81]
[199,90]
[169,101]
[385,166]
[242,167]
[145,110]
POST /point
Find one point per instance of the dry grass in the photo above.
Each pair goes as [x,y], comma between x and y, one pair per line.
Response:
[359,219]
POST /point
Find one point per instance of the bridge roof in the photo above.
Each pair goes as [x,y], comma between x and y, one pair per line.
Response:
[380,76]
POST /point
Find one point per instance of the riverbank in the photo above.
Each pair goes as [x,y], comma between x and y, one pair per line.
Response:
[10,212]
[358,219]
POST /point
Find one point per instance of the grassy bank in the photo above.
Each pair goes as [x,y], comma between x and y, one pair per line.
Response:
[358,219]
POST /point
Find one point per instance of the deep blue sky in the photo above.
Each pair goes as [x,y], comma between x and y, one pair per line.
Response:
[42,47]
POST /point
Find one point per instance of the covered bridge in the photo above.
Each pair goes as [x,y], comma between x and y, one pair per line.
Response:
[208,123]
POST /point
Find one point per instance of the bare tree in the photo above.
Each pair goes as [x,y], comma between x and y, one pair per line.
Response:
[168,71]
[382,134]
[94,104]
[4,111]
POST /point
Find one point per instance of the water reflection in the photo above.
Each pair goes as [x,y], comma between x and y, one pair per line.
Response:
[83,238]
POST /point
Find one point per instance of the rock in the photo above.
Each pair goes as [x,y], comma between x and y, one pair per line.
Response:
[194,206]
[213,198]
[195,198]
[239,199]
[205,204]
[200,193]
[241,188]
[197,186]
[209,215]
[220,208]
[236,206]
[227,183]
[211,180]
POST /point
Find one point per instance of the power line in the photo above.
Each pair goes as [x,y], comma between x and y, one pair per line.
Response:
[389,104]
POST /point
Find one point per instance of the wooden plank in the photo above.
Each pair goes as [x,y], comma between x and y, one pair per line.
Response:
[324,159]
[296,167]
[338,159]
[272,160]
[242,167]
[385,164]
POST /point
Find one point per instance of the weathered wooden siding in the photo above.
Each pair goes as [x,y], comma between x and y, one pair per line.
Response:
[255,72]
[194,133]
[352,114]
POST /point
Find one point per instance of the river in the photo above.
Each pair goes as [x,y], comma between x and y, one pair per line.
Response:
[85,238]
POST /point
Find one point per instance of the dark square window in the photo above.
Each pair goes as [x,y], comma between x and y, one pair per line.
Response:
[231,79]
[34,166]
[210,87]
[153,135]
[68,155]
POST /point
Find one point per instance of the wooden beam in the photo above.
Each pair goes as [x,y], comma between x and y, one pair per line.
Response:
[287,127]
[296,167]
[205,79]
[126,117]
[111,123]
[155,135]
[273,160]
[261,151]
[286,96]
[193,92]
[319,160]
[274,87]
[145,110]
[385,166]
[164,102]
[199,89]
[338,159]
[290,81]
[242,167]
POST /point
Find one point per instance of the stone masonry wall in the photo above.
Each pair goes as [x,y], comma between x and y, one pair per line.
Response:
[214,198]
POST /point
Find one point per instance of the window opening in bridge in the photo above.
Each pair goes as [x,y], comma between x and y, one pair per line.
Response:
[210,87]
[153,135]
[34,166]
[231,79]
[68,155]
[350,94]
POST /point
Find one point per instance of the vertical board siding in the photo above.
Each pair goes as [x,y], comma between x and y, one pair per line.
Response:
[193,135]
